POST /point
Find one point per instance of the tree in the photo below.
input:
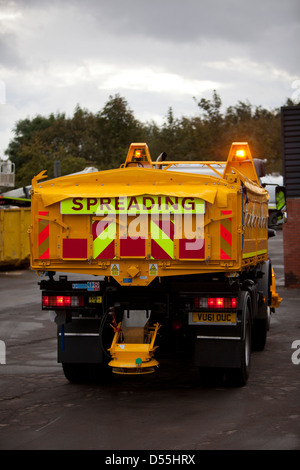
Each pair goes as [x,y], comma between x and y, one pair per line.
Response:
[117,127]
[39,157]
[102,139]
[212,128]
[41,141]
[212,114]
[25,130]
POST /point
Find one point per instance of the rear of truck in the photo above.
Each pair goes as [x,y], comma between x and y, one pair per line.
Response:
[165,258]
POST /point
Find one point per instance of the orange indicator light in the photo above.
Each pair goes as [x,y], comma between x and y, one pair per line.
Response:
[240,154]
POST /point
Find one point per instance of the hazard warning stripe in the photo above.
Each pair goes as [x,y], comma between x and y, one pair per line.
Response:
[226,236]
[43,236]
[162,239]
[104,234]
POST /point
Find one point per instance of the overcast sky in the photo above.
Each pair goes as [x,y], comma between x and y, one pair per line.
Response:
[155,53]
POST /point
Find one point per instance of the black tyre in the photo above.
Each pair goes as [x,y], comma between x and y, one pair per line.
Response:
[211,376]
[261,325]
[86,373]
[239,376]
[259,337]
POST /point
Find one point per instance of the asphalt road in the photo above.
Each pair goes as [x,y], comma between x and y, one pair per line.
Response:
[169,410]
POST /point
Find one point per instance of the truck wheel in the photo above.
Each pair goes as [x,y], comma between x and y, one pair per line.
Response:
[238,376]
[86,373]
[273,219]
[268,318]
[260,327]
[211,376]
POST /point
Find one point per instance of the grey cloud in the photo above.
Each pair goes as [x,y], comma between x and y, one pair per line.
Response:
[68,49]
[9,56]
[191,20]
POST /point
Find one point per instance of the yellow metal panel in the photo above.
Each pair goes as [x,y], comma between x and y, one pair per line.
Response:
[14,239]
[127,182]
[230,223]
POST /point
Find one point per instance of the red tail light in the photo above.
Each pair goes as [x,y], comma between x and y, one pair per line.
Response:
[62,301]
[215,303]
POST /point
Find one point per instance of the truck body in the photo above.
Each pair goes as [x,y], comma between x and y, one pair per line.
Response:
[277,204]
[169,256]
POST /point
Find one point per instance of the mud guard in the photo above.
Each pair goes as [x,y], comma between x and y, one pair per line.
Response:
[220,351]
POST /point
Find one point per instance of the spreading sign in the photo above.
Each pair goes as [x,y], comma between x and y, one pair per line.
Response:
[133,205]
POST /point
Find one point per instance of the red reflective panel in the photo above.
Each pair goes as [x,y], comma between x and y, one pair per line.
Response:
[46,300]
[176,324]
[75,248]
[77,301]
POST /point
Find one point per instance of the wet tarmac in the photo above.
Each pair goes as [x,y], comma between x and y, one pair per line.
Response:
[169,410]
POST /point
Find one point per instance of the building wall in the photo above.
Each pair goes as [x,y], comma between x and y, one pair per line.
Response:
[291,244]
[290,120]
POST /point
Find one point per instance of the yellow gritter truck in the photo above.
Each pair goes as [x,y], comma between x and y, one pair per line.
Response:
[167,255]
